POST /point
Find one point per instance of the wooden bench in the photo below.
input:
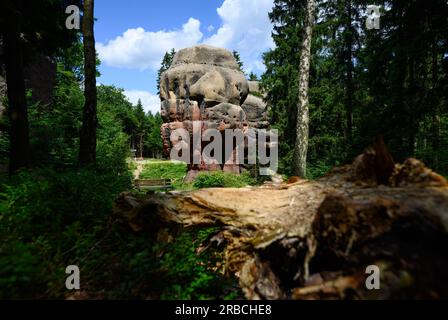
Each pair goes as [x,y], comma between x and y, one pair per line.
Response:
[153,185]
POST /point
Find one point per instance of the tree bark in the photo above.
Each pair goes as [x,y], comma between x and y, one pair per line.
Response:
[87,148]
[141,145]
[349,66]
[435,113]
[18,115]
[314,239]
[302,125]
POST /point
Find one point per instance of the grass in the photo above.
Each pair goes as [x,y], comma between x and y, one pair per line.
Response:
[174,171]
[221,179]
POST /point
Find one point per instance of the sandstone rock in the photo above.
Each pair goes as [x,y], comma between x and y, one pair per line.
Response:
[232,116]
[205,54]
[203,84]
[254,86]
[256,112]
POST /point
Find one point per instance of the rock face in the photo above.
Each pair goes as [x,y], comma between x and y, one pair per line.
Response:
[256,112]
[204,84]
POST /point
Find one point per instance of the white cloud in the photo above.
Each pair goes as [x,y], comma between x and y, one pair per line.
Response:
[245,28]
[150,101]
[140,49]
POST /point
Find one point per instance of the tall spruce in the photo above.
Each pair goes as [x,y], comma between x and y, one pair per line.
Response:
[87,148]
[166,63]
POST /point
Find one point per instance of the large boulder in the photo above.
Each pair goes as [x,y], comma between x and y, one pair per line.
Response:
[205,84]
[204,74]
[256,112]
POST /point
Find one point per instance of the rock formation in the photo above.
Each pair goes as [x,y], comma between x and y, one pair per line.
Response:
[205,84]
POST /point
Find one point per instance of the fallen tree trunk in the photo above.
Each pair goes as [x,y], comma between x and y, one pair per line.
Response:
[314,239]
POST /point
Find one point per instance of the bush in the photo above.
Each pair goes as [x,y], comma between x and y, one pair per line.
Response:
[223,180]
[317,170]
[49,220]
[191,275]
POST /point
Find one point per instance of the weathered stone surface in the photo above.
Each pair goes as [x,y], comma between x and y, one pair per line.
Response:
[254,86]
[256,112]
[205,54]
[227,116]
[205,84]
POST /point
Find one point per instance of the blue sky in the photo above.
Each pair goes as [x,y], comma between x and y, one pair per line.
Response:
[132,37]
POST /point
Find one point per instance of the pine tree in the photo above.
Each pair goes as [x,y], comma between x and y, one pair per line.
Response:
[237,57]
[253,77]
[165,65]
[28,29]
[142,130]
[87,144]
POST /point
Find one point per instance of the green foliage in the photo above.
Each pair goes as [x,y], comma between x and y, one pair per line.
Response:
[175,171]
[112,144]
[222,179]
[57,215]
[363,83]
[4,147]
[153,142]
[257,94]
[166,64]
[317,170]
[54,129]
[49,220]
[253,77]
[237,57]
[190,273]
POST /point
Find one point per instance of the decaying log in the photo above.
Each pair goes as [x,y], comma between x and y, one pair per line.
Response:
[314,239]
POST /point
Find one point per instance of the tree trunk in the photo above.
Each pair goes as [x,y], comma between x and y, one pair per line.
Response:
[435,113]
[141,146]
[18,115]
[412,127]
[349,79]
[314,239]
[87,148]
[302,125]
